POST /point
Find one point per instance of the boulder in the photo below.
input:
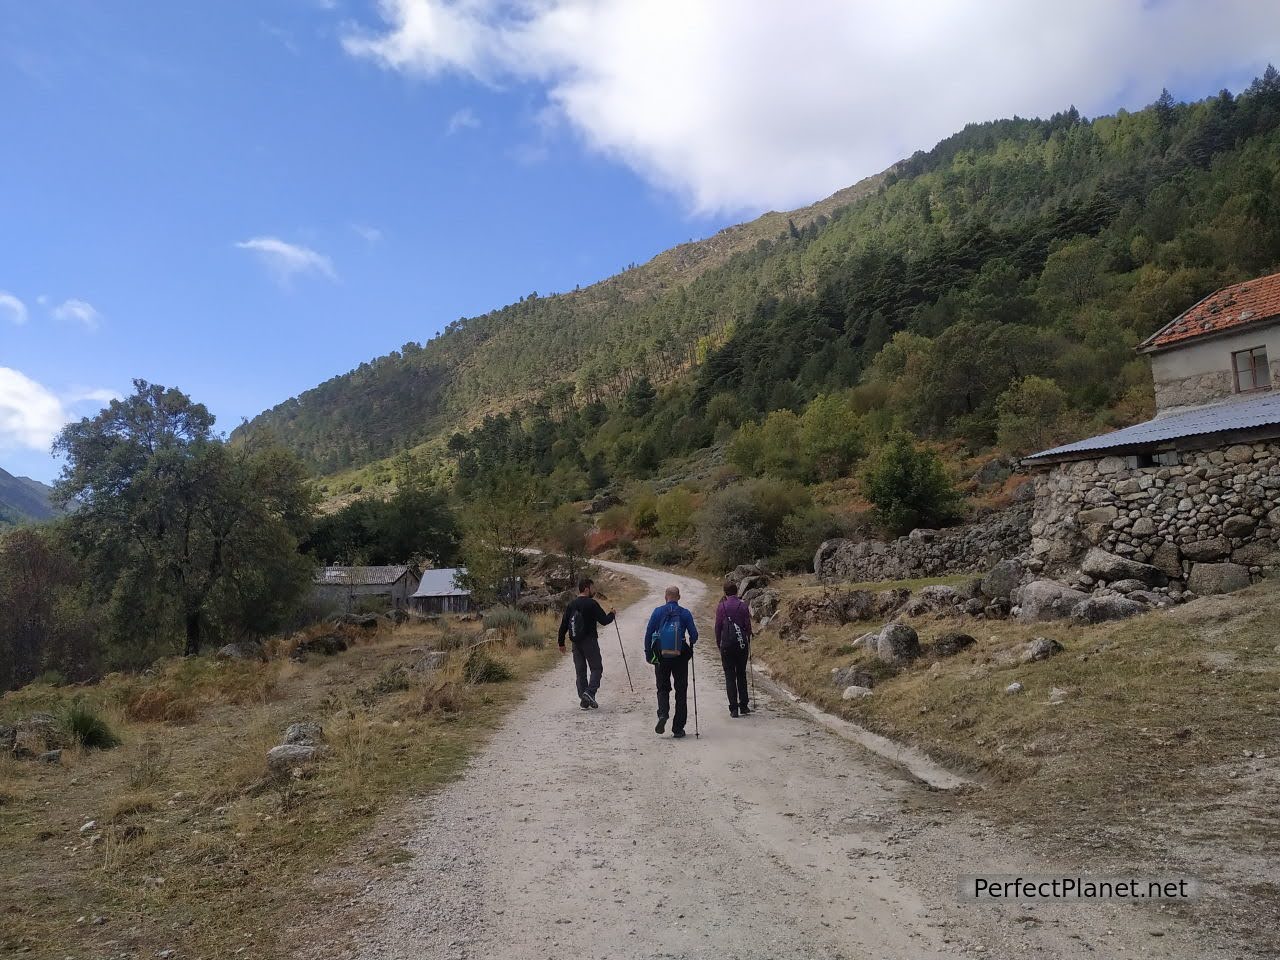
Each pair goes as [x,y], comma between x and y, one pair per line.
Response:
[326,645]
[1215,548]
[1207,578]
[949,644]
[397,616]
[287,757]
[364,621]
[601,503]
[1240,525]
[1040,648]
[1103,608]
[1151,599]
[1261,553]
[763,604]
[37,734]
[1168,559]
[867,640]
[306,733]
[758,582]
[898,644]
[993,471]
[850,675]
[885,602]
[938,597]
[1097,515]
[243,650]
[1143,527]
[1046,600]
[1107,566]
[50,756]
[855,692]
[1013,688]
[1127,586]
[430,661]
[1002,579]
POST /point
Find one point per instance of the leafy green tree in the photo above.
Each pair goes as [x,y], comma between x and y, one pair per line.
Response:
[568,534]
[186,538]
[830,438]
[745,521]
[1030,414]
[909,487]
[639,398]
[503,518]
[675,512]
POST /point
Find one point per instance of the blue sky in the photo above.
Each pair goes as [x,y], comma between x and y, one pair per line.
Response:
[243,198]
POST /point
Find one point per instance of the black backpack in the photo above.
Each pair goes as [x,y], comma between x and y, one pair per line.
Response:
[577,624]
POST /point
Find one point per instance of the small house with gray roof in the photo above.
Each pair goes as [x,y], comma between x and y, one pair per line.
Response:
[441,592]
[349,589]
[1194,491]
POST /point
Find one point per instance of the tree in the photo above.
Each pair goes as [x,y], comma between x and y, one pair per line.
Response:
[830,437]
[569,536]
[639,398]
[185,537]
[1029,413]
[675,512]
[909,487]
[746,521]
[502,520]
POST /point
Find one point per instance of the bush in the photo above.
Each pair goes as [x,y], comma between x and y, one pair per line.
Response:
[530,638]
[666,553]
[484,667]
[157,705]
[506,620]
[745,521]
[451,639]
[909,487]
[627,549]
[83,724]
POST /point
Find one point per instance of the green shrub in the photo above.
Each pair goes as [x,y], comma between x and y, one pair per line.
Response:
[627,549]
[746,521]
[452,640]
[530,638]
[667,553]
[909,487]
[484,667]
[83,724]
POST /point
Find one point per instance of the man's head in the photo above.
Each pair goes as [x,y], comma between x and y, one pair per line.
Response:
[586,586]
[730,588]
[673,594]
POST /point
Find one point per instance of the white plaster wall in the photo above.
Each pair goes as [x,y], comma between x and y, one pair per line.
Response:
[1213,355]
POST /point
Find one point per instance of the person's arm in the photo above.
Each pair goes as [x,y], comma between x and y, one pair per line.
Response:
[602,618]
[691,627]
[719,622]
[746,617]
[564,626]
[648,636]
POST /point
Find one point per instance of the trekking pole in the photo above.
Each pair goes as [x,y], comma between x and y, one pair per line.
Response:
[623,649]
[751,666]
[693,662]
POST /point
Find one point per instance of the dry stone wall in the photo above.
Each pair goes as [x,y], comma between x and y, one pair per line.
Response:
[1211,520]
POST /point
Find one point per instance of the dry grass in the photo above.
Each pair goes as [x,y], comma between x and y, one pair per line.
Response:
[196,848]
[1158,748]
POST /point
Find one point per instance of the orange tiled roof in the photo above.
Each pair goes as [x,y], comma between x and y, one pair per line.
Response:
[1235,306]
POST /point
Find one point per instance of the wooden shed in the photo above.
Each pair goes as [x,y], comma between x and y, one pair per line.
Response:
[439,592]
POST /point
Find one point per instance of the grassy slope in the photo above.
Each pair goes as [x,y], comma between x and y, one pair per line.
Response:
[1161,753]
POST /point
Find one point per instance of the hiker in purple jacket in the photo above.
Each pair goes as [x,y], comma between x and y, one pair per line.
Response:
[733,637]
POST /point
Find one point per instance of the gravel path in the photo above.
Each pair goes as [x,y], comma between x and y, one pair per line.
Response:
[582,833]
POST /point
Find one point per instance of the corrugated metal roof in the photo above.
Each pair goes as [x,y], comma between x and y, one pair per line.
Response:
[442,583]
[1257,411]
[1238,305]
[359,576]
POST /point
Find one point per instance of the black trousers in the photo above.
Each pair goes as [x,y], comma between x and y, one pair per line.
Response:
[734,660]
[586,653]
[674,671]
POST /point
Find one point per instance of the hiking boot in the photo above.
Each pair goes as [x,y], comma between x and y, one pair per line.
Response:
[583,702]
[677,734]
[662,725]
[590,698]
[744,710]
[733,711]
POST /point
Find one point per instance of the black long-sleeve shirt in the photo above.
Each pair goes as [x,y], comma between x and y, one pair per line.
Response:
[592,614]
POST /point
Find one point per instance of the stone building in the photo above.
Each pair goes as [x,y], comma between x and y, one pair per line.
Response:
[1193,492]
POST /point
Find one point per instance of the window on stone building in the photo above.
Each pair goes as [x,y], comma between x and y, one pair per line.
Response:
[1250,367]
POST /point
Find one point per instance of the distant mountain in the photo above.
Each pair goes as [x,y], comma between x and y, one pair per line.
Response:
[23,499]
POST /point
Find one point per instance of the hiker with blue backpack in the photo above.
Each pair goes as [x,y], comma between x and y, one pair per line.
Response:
[579,622]
[668,645]
[733,638]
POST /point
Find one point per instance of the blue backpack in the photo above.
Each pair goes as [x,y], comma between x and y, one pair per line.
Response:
[667,637]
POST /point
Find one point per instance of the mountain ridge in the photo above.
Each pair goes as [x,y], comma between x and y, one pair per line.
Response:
[23,499]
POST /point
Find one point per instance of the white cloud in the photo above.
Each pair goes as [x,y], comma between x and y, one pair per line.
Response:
[78,311]
[31,415]
[368,234]
[13,307]
[464,119]
[288,260]
[752,103]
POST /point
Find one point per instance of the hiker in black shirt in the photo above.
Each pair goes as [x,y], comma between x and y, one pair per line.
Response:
[579,622]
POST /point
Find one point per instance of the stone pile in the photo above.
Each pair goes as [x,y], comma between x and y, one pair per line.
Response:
[928,553]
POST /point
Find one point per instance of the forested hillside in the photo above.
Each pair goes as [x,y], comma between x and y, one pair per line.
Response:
[988,291]
[22,499]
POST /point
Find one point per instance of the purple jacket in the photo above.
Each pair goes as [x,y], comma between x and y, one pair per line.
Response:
[730,613]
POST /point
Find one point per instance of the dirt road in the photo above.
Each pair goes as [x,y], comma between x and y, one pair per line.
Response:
[584,834]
